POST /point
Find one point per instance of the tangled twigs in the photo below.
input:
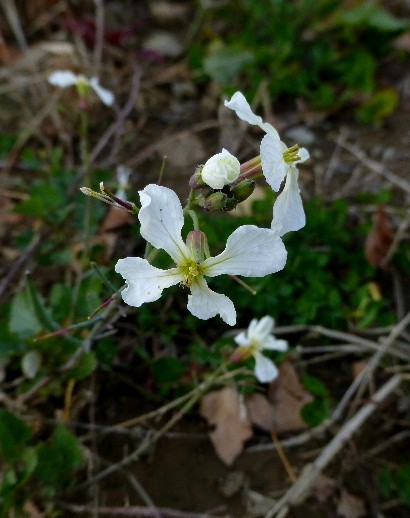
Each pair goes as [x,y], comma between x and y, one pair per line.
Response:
[165,512]
[300,488]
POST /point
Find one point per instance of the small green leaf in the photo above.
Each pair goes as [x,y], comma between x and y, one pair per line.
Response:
[30,364]
[225,63]
[315,412]
[14,435]
[315,386]
[403,482]
[381,105]
[23,318]
[58,460]
[386,482]
[85,366]
[167,370]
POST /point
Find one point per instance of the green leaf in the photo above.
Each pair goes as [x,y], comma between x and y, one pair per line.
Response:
[167,370]
[386,484]
[403,482]
[23,318]
[315,386]
[30,364]
[14,435]
[315,412]
[381,105]
[85,366]
[370,14]
[58,460]
[224,64]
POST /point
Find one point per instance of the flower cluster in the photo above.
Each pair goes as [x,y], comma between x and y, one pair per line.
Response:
[220,184]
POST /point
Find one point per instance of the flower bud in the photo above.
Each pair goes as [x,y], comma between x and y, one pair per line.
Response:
[230,204]
[197,242]
[220,170]
[195,182]
[243,190]
[215,201]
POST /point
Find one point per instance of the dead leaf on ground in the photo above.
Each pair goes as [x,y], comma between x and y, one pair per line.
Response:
[350,506]
[288,397]
[379,239]
[224,410]
[323,487]
[261,412]
[116,218]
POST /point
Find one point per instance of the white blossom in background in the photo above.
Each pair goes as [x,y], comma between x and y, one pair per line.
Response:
[250,251]
[257,338]
[123,175]
[66,78]
[278,164]
[220,170]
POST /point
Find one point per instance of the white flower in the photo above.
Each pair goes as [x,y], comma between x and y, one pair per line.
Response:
[278,164]
[250,251]
[221,169]
[257,338]
[65,78]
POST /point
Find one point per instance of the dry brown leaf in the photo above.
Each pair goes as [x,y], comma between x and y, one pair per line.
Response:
[350,506]
[323,487]
[261,412]
[288,397]
[224,410]
[380,238]
[116,218]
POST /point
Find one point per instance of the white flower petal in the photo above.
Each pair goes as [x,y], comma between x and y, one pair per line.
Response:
[273,344]
[250,251]
[241,107]
[204,303]
[252,327]
[63,78]
[304,155]
[220,170]
[242,339]
[145,282]
[273,165]
[263,328]
[288,213]
[105,95]
[162,220]
[265,369]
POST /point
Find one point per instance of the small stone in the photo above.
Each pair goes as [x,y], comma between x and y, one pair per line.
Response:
[164,43]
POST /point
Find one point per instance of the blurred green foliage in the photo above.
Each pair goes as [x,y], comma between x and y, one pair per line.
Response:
[327,51]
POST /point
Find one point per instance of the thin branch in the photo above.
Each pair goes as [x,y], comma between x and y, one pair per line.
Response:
[299,490]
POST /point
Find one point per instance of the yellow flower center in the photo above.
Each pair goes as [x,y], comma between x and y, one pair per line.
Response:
[291,154]
[190,270]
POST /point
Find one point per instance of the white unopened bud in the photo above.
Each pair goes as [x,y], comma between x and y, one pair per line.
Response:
[220,170]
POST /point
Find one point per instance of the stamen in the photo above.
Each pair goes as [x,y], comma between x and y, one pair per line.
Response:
[291,154]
